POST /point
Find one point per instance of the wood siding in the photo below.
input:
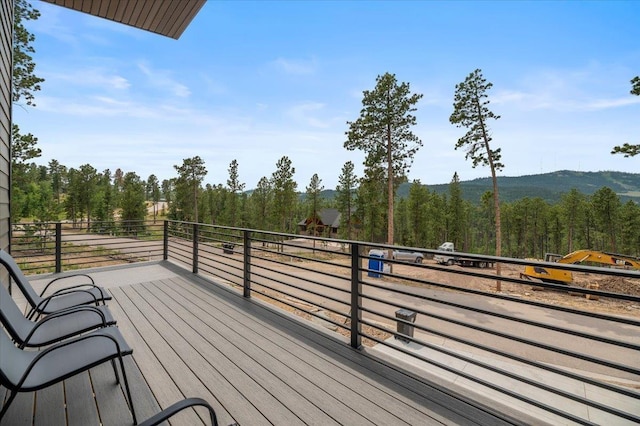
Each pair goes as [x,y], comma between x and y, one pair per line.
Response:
[6,53]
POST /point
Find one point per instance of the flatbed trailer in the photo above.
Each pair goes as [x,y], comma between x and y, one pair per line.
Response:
[467,262]
[452,258]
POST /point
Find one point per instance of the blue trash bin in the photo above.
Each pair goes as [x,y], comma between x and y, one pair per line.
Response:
[376,265]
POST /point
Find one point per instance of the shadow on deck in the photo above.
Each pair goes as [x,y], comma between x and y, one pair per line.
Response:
[255,364]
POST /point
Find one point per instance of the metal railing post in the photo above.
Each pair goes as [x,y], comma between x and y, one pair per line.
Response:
[58,248]
[165,241]
[356,299]
[246,237]
[194,261]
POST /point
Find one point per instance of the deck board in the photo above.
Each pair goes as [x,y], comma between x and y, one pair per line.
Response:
[81,408]
[238,361]
[49,408]
[339,382]
[294,365]
[173,369]
[21,410]
[254,364]
[144,401]
[165,392]
[170,368]
[193,371]
[112,405]
[318,363]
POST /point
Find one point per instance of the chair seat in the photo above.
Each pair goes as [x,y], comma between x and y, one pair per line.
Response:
[69,358]
[79,322]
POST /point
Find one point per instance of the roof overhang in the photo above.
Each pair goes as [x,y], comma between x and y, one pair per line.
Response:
[166,17]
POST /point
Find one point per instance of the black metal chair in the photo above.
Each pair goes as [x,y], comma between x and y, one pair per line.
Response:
[74,295]
[52,328]
[28,371]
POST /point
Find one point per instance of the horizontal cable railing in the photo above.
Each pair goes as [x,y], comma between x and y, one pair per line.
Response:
[558,342]
[56,247]
[315,278]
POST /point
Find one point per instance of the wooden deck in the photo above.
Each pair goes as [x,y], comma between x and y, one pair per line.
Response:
[254,364]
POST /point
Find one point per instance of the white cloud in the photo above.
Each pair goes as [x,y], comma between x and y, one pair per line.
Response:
[306,113]
[163,80]
[97,78]
[118,82]
[212,86]
[599,104]
[567,90]
[559,102]
[96,106]
[296,67]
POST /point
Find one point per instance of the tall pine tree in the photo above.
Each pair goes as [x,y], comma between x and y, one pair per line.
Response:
[471,111]
[383,132]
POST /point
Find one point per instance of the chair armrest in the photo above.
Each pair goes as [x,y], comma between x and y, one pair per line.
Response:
[76,287]
[45,300]
[62,313]
[176,408]
[92,284]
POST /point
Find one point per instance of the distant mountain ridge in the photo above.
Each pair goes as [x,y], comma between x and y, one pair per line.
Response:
[548,186]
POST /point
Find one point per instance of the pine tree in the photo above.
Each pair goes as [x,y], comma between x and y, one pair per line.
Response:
[314,202]
[383,132]
[345,193]
[134,208]
[154,191]
[456,214]
[261,202]
[235,188]
[630,150]
[191,173]
[24,82]
[284,194]
[470,110]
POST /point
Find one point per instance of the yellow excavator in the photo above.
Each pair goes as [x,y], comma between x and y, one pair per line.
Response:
[559,276]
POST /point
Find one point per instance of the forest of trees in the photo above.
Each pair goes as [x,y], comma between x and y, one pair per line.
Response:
[424,218]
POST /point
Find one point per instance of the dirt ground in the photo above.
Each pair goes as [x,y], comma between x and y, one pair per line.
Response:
[535,293]
[532,292]
[525,291]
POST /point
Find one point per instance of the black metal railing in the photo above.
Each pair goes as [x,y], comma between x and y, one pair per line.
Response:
[56,247]
[549,338]
[419,305]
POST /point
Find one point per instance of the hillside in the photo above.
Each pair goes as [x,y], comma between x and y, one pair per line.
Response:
[548,186]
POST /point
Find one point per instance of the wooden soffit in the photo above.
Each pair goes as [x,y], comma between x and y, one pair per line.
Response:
[166,17]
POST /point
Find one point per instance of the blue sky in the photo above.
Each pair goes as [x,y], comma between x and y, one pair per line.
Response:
[254,81]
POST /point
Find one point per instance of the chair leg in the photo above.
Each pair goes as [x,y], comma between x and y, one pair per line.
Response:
[115,371]
[30,314]
[5,407]
[126,386]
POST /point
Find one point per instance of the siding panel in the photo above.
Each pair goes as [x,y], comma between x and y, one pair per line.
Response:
[6,31]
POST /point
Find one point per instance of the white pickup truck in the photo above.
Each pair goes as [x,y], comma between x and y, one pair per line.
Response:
[457,259]
[442,258]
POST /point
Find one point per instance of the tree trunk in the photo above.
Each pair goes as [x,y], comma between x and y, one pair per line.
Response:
[496,204]
[389,195]
[195,206]
[496,201]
